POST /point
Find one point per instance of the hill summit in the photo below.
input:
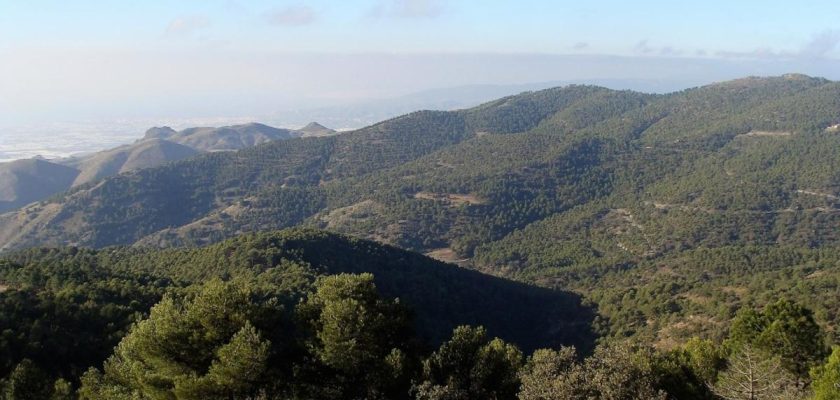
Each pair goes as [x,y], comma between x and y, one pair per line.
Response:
[316,129]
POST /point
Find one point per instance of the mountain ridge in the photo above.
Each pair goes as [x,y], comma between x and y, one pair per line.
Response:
[580,119]
[568,188]
[159,145]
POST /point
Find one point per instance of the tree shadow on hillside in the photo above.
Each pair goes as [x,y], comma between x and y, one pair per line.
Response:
[444,296]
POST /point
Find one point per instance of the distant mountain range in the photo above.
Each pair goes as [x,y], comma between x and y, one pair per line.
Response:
[26,181]
[363,113]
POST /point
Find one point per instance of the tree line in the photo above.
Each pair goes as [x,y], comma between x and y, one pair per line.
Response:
[238,340]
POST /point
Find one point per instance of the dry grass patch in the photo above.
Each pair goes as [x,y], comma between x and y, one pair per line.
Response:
[354,213]
[815,274]
[765,134]
[739,291]
[447,255]
[671,336]
[697,298]
[454,199]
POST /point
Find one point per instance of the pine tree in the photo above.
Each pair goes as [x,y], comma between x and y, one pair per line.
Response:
[196,348]
[826,378]
[552,375]
[361,342]
[469,366]
[752,375]
[26,382]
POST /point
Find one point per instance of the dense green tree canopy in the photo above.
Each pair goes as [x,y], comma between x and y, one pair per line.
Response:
[785,329]
[471,366]
[363,340]
[826,378]
[212,345]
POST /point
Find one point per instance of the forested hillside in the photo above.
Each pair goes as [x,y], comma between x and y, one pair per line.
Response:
[457,180]
[305,314]
[64,309]
[274,185]
[675,199]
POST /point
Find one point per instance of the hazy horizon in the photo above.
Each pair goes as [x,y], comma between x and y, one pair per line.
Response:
[103,71]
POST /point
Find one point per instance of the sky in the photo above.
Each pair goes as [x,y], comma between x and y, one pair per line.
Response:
[156,60]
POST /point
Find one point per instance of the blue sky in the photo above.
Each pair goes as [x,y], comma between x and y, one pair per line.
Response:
[62,60]
[707,28]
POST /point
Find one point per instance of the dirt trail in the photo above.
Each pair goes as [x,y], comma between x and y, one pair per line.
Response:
[815,193]
[765,134]
[447,255]
[453,198]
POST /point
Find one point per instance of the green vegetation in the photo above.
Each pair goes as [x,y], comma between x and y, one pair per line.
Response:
[826,378]
[245,338]
[469,366]
[695,232]
[745,162]
[64,310]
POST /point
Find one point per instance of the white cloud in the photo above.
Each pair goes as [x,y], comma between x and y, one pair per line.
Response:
[762,53]
[186,25]
[642,47]
[416,9]
[821,44]
[669,51]
[292,16]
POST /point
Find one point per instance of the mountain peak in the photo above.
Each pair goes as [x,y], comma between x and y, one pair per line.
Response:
[162,132]
[314,125]
[316,129]
[250,125]
[764,81]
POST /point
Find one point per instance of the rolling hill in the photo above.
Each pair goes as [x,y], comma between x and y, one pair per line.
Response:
[146,153]
[25,181]
[226,138]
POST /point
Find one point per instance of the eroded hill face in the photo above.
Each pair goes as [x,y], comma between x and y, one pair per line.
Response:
[315,129]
